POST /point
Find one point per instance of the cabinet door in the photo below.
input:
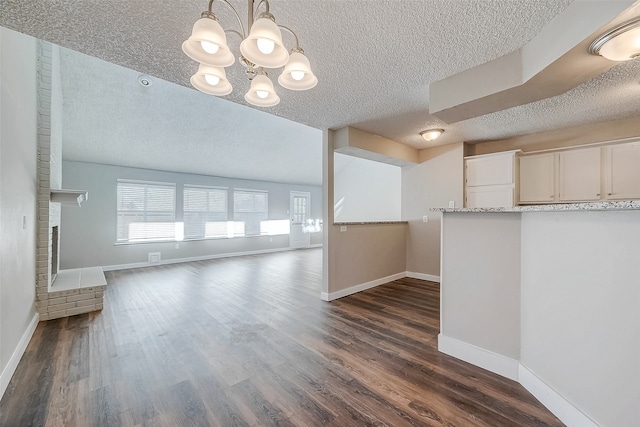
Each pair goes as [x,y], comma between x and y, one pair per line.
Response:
[496,196]
[537,178]
[490,170]
[580,175]
[623,171]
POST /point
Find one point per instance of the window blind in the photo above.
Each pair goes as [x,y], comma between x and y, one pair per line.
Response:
[250,208]
[145,211]
[205,212]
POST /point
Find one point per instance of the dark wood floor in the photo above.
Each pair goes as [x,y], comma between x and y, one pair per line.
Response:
[247,341]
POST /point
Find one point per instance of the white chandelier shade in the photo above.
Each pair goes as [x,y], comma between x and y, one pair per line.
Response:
[264,45]
[262,93]
[297,74]
[261,48]
[208,44]
[211,80]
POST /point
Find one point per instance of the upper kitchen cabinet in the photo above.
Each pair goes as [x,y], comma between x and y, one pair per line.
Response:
[610,172]
[537,178]
[490,180]
[579,173]
[622,171]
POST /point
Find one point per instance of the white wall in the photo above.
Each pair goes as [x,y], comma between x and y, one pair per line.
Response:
[18,186]
[480,295]
[433,183]
[365,190]
[88,233]
[581,309]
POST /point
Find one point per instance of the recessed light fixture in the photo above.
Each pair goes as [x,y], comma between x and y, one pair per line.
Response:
[622,43]
[145,80]
[431,134]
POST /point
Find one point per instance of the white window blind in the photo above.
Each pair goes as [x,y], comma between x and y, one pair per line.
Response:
[250,208]
[146,211]
[205,212]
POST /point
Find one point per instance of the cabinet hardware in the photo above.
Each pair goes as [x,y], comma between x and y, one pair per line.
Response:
[609,194]
[598,194]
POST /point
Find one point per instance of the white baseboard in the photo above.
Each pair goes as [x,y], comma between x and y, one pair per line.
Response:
[485,359]
[361,287]
[423,276]
[10,369]
[552,400]
[200,258]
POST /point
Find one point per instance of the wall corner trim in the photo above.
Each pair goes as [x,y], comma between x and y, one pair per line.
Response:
[330,296]
[485,359]
[423,276]
[552,400]
[10,369]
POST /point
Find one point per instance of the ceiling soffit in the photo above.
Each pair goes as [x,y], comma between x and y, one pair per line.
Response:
[553,62]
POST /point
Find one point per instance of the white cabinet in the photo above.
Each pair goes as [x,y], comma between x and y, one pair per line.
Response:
[537,178]
[490,180]
[490,196]
[579,175]
[622,171]
[610,172]
[494,169]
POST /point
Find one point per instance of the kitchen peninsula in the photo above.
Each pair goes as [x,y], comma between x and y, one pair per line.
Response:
[549,296]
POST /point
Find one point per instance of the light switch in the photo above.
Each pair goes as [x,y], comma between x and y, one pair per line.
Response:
[425,218]
[452,203]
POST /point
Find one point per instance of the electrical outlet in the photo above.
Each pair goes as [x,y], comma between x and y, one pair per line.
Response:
[425,218]
[343,228]
[177,245]
[452,203]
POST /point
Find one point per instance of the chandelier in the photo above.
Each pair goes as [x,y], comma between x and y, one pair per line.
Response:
[262,48]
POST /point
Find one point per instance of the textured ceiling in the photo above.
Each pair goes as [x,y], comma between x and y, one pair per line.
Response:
[108,117]
[374,59]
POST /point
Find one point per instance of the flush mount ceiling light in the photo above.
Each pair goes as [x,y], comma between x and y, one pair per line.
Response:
[622,43]
[431,134]
[262,48]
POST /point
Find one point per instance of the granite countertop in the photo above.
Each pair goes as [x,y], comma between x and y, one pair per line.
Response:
[610,205]
[370,222]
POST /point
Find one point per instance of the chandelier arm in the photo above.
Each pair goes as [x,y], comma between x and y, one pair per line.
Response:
[235,12]
[235,32]
[289,30]
[266,6]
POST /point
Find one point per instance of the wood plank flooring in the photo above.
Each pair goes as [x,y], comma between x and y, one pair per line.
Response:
[248,342]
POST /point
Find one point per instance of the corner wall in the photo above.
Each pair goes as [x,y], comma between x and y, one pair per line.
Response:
[363,256]
[430,184]
[18,189]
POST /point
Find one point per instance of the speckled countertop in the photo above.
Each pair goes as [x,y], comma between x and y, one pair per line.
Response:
[611,205]
[370,222]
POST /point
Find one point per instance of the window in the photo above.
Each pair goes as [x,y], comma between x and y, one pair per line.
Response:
[250,207]
[205,212]
[146,211]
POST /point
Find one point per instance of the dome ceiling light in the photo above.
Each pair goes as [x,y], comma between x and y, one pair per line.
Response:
[431,134]
[622,43]
[262,48]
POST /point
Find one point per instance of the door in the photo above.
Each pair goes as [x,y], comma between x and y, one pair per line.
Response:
[537,178]
[299,203]
[490,196]
[623,171]
[580,175]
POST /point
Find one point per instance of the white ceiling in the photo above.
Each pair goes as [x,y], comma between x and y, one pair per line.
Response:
[374,59]
[108,117]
